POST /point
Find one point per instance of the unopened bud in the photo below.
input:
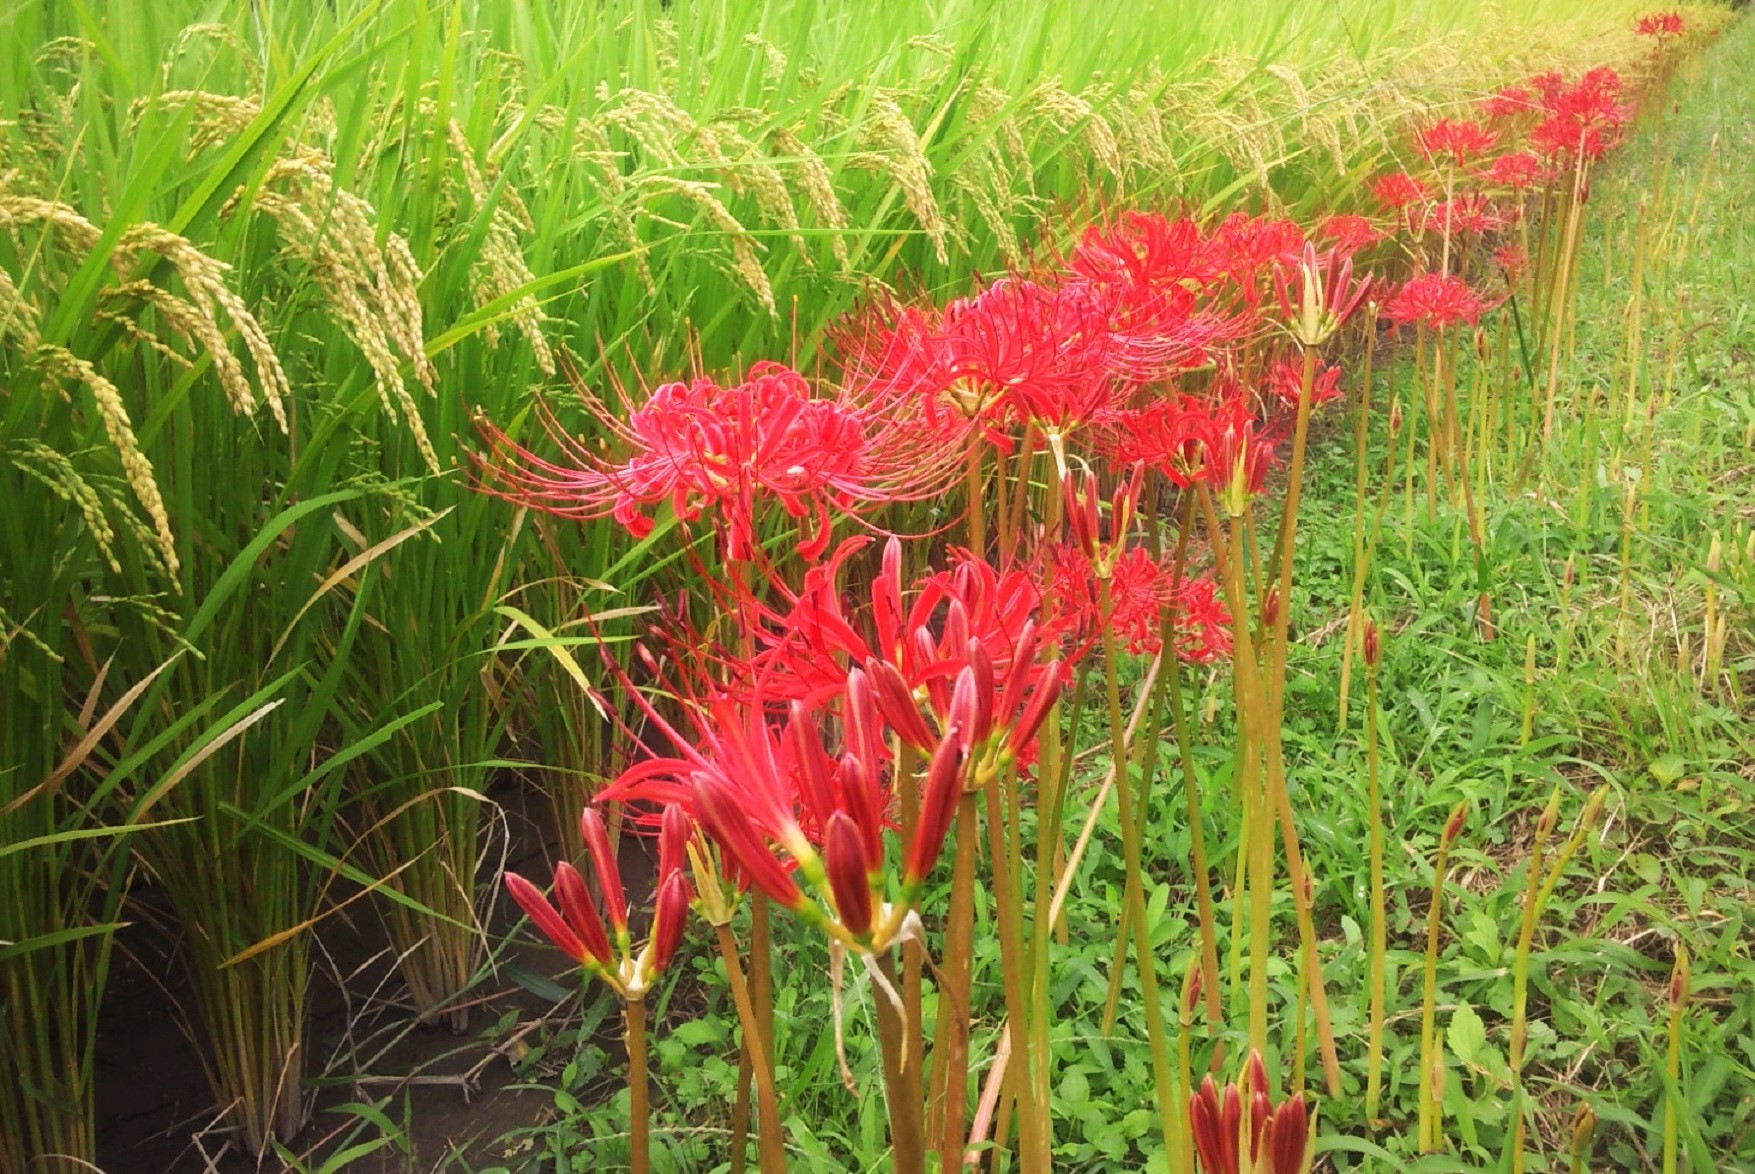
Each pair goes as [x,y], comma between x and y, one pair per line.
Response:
[1679,978]
[1550,816]
[1454,825]
[1593,808]
[1714,554]
[1270,609]
[1584,1126]
[1372,648]
[1191,990]
[844,862]
[1395,416]
[1567,577]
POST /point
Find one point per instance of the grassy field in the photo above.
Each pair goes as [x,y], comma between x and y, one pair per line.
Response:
[264,651]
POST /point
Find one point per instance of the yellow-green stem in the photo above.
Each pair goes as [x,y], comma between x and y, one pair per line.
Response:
[1133,885]
[770,1141]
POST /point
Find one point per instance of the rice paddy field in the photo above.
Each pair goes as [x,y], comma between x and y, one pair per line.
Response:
[787,584]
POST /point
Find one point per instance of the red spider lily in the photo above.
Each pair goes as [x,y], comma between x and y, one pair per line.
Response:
[577,929]
[809,646]
[1351,233]
[1582,120]
[1140,589]
[1203,622]
[1516,170]
[1147,250]
[1285,381]
[1397,190]
[1244,248]
[1239,453]
[1149,269]
[1317,292]
[1454,139]
[851,898]
[1024,351]
[1472,215]
[1168,435]
[1513,262]
[1659,25]
[1435,300]
[1241,1131]
[706,448]
[1510,102]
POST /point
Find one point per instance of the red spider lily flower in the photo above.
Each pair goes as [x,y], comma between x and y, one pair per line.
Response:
[1168,435]
[1397,190]
[1244,248]
[1583,120]
[1351,233]
[1513,262]
[576,927]
[849,872]
[1516,170]
[1032,351]
[1148,270]
[1510,102]
[1140,589]
[922,634]
[1454,139]
[1317,292]
[1241,1131]
[1203,622]
[1239,454]
[1472,215]
[706,448]
[1285,381]
[1435,300]
[1659,25]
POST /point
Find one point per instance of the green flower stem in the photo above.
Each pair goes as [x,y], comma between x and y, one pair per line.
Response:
[1133,889]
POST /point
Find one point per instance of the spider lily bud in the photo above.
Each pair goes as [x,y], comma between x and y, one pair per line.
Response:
[980,670]
[1680,976]
[1395,416]
[1372,644]
[1549,817]
[896,704]
[861,803]
[1191,991]
[1270,609]
[849,874]
[674,835]
[608,870]
[581,914]
[864,737]
[731,826]
[813,764]
[553,926]
[1080,504]
[670,917]
[1239,1131]
[1041,701]
[1584,1126]
[1593,808]
[1454,825]
[938,803]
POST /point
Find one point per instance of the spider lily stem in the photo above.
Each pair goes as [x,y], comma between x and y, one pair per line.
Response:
[1134,886]
[770,1142]
[639,1142]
